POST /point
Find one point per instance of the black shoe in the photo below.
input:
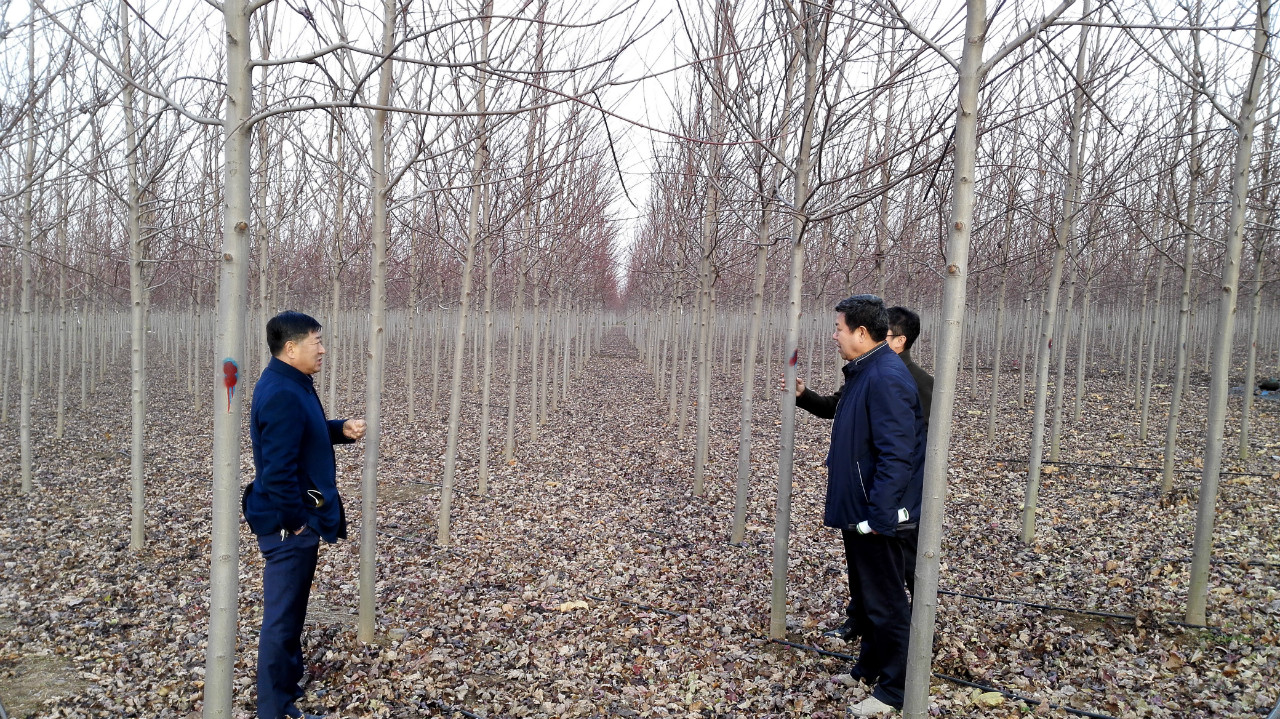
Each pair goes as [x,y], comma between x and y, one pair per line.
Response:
[294,712]
[845,632]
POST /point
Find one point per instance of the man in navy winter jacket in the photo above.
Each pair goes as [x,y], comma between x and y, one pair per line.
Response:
[875,480]
[293,502]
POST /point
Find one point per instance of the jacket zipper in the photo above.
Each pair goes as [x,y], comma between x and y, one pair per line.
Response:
[862,483]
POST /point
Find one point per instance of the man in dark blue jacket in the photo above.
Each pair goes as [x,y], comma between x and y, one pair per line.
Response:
[875,480]
[293,502]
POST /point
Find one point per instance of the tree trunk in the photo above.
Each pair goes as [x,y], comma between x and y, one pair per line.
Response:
[1151,351]
[138,328]
[482,486]
[1184,309]
[224,573]
[1064,340]
[950,344]
[377,336]
[768,207]
[26,362]
[1197,595]
[513,362]
[1065,227]
[460,334]
[810,38]
[1082,356]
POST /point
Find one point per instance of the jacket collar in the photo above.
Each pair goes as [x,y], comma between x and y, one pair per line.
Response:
[284,369]
[856,365]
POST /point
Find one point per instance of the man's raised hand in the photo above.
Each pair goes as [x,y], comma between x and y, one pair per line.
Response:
[353,428]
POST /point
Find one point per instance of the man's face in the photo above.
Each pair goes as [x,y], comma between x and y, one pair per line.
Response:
[897,342]
[305,355]
[847,340]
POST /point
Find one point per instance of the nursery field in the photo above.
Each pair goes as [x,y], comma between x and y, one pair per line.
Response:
[591,582]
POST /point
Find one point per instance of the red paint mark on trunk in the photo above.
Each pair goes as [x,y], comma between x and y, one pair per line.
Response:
[795,357]
[230,376]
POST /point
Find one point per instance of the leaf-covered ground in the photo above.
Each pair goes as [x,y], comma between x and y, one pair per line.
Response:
[592,582]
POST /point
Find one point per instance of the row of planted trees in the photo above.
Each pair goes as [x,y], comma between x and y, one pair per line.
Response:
[1100,154]
[446,172]
[454,173]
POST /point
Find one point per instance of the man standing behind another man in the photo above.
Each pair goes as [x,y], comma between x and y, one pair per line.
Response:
[875,471]
[293,502]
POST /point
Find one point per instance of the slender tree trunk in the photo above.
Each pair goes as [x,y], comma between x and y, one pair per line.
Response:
[513,362]
[460,334]
[1145,315]
[1064,340]
[534,331]
[810,38]
[768,207]
[26,363]
[138,328]
[377,337]
[1151,353]
[224,574]
[11,325]
[1197,593]
[1065,227]
[993,401]
[487,381]
[1022,352]
[950,342]
[1082,356]
[1182,361]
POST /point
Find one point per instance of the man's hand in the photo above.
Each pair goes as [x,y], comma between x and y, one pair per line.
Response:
[353,428]
[782,385]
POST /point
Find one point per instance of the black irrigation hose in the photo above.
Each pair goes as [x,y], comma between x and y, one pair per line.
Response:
[1233,562]
[1033,605]
[636,605]
[1019,697]
[838,655]
[1114,466]
[456,710]
[948,678]
[439,485]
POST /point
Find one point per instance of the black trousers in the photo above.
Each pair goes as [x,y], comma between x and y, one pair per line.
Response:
[286,587]
[879,611]
[910,542]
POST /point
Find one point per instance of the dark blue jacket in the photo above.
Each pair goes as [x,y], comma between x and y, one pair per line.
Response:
[292,453]
[875,468]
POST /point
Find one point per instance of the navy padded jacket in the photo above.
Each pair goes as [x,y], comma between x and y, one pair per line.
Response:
[875,468]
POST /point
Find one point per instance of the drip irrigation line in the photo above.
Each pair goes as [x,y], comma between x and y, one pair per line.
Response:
[943,677]
[455,710]
[636,605]
[1019,697]
[1232,562]
[5,715]
[948,678]
[1033,605]
[438,485]
[403,539]
[1114,466]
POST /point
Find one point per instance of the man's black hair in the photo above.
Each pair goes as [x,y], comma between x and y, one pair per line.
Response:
[865,311]
[289,327]
[903,321]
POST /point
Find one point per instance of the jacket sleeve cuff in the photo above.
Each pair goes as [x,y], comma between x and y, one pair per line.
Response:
[335,432]
[880,528]
[292,522]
